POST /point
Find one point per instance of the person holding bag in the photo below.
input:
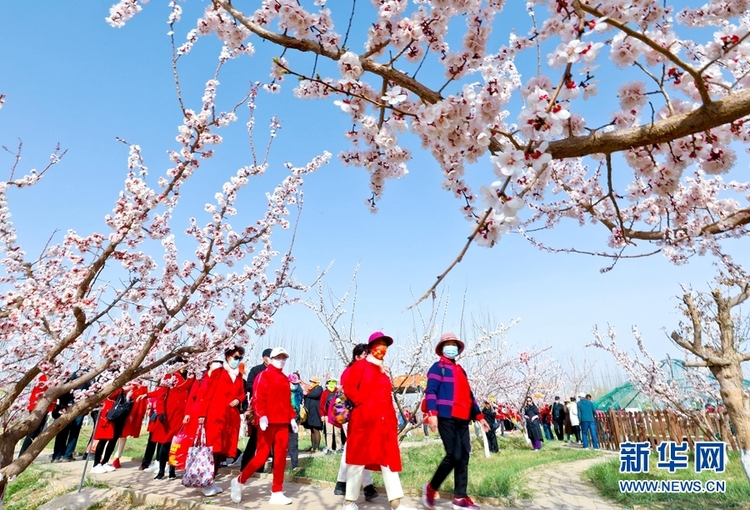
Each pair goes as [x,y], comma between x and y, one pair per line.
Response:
[167,417]
[272,404]
[109,427]
[217,407]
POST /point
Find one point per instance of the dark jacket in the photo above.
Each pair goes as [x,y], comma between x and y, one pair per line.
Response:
[312,404]
[558,412]
[533,427]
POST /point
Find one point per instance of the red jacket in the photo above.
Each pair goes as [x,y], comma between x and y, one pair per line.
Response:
[39,388]
[222,421]
[134,422]
[372,438]
[104,428]
[171,402]
[272,396]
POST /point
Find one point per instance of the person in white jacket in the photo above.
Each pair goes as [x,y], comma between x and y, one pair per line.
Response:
[575,424]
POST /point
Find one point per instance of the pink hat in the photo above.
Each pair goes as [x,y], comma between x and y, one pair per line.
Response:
[294,379]
[448,337]
[379,335]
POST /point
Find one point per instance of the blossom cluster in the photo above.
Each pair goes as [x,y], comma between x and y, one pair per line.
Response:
[672,192]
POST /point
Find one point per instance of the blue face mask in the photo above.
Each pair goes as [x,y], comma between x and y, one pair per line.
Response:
[234,363]
[450,351]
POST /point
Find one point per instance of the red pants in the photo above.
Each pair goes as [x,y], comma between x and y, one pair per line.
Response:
[276,435]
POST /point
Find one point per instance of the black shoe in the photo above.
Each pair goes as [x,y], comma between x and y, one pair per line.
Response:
[68,459]
[159,476]
[340,488]
[370,493]
[172,474]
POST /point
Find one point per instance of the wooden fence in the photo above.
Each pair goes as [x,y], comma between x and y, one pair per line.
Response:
[615,427]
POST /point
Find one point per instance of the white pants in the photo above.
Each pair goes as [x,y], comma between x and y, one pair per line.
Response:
[343,472]
[391,481]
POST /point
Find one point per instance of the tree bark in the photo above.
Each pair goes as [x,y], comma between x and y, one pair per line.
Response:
[737,404]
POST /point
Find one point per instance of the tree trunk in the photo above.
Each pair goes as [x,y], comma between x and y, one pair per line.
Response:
[6,458]
[737,405]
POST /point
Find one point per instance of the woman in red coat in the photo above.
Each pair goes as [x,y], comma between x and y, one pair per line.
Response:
[108,431]
[217,407]
[272,404]
[169,413]
[372,441]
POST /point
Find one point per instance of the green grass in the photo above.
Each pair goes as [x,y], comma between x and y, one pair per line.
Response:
[605,477]
[500,476]
[30,489]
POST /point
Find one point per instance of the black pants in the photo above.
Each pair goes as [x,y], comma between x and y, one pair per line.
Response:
[66,439]
[28,439]
[492,439]
[559,426]
[105,448]
[293,448]
[455,436]
[148,455]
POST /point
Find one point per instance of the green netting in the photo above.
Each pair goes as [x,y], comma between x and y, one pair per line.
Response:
[626,396]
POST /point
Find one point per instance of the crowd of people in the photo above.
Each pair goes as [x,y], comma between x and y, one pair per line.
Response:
[273,406]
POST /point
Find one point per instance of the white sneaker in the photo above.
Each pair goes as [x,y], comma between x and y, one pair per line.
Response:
[235,490]
[351,506]
[401,506]
[212,490]
[98,469]
[108,468]
[278,498]
[152,468]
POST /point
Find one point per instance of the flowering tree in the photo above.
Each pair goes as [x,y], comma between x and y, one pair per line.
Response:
[103,304]
[711,343]
[643,153]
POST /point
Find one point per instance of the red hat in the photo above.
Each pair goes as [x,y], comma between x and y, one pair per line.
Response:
[379,335]
[448,337]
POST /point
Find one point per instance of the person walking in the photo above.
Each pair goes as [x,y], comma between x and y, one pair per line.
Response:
[169,415]
[491,417]
[558,418]
[531,416]
[451,406]
[217,407]
[109,426]
[272,404]
[574,422]
[325,403]
[314,422]
[67,439]
[252,430]
[546,416]
[586,413]
[36,392]
[372,440]
[359,352]
[297,396]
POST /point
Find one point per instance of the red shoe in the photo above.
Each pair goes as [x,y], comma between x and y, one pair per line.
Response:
[460,504]
[428,497]
[116,464]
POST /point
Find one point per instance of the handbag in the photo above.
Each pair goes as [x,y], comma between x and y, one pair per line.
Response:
[199,466]
[340,409]
[178,450]
[122,408]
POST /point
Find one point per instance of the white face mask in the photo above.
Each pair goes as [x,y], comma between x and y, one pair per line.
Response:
[234,363]
[278,362]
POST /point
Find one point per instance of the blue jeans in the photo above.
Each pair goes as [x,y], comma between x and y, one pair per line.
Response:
[547,431]
[587,426]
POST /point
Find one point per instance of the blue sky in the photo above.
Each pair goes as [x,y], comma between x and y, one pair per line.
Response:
[70,78]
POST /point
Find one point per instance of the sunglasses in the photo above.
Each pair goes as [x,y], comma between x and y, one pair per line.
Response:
[239,358]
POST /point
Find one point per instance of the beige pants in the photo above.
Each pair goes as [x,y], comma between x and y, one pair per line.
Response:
[354,481]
